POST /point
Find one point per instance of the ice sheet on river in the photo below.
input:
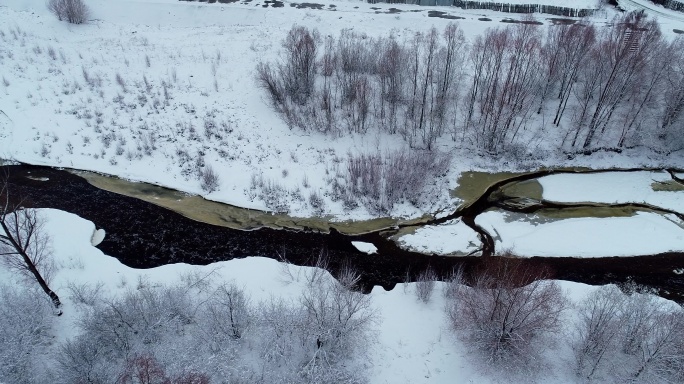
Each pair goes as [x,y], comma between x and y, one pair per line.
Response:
[642,234]
[614,187]
[454,237]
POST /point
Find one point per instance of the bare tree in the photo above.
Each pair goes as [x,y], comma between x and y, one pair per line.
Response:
[390,70]
[506,311]
[574,42]
[72,11]
[451,68]
[299,69]
[597,330]
[228,315]
[24,245]
[635,337]
[672,116]
[639,112]
[504,84]
[624,54]
[652,336]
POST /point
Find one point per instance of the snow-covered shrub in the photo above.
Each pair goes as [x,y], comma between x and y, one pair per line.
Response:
[85,360]
[316,201]
[400,176]
[272,193]
[141,317]
[209,179]
[506,313]
[227,316]
[628,337]
[337,318]
[25,331]
[72,11]
[425,284]
[85,294]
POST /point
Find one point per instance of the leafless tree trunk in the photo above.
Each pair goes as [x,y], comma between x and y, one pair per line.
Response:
[625,51]
[643,100]
[504,84]
[551,54]
[328,66]
[424,127]
[452,66]
[575,42]
[673,112]
[299,70]
[24,245]
[390,70]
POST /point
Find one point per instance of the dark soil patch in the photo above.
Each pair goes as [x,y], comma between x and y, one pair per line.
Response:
[484,19]
[143,235]
[512,21]
[678,31]
[307,5]
[443,15]
[559,21]
[273,4]
[389,11]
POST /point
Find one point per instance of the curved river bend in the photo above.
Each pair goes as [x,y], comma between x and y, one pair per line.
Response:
[143,235]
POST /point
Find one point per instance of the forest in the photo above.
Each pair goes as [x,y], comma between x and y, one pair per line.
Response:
[577,87]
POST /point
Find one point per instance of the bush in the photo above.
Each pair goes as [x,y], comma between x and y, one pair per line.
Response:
[73,11]
[337,318]
[400,176]
[209,179]
[635,337]
[26,322]
[425,284]
[506,311]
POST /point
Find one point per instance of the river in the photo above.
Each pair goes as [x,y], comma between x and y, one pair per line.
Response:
[149,226]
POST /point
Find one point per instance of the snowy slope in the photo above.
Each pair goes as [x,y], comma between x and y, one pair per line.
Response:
[413,343]
[153,90]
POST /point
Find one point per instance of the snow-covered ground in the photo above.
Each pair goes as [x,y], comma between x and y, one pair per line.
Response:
[450,238]
[642,234]
[665,15]
[153,90]
[413,342]
[149,87]
[613,188]
[585,4]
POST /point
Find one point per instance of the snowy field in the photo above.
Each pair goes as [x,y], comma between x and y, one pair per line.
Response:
[157,90]
[412,341]
[641,234]
[450,238]
[613,188]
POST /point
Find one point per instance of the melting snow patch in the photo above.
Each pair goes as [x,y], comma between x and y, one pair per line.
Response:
[449,238]
[365,247]
[98,236]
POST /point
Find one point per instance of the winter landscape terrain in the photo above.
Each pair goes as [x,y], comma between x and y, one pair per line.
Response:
[449,132]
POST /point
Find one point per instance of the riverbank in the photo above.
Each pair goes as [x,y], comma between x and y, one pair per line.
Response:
[143,235]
